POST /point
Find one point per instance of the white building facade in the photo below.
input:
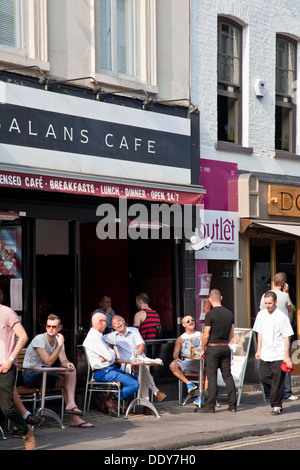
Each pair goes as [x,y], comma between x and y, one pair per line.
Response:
[244,76]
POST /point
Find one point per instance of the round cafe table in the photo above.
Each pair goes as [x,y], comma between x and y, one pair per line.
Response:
[42,410]
[139,400]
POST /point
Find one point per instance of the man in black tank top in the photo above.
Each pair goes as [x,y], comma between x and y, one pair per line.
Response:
[218,332]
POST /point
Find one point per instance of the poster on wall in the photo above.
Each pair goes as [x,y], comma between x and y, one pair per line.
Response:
[219,217]
[10,252]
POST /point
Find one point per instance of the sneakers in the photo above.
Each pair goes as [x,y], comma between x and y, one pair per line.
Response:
[191,386]
[293,398]
[276,410]
[29,440]
[34,420]
[197,401]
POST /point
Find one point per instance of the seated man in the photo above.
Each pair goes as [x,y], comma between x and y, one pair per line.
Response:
[106,308]
[46,348]
[146,319]
[101,358]
[129,343]
[183,348]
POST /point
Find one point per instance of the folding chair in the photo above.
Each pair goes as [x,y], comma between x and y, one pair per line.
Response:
[93,386]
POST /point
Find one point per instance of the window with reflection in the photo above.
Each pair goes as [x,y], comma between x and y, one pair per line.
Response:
[229,81]
[285,106]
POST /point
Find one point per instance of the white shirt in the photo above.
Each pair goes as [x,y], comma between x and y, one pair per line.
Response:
[127,344]
[95,346]
[273,328]
[187,340]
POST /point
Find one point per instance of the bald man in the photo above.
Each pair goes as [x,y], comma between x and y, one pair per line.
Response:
[102,361]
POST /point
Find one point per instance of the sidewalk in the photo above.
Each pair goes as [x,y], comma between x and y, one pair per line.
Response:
[178,427]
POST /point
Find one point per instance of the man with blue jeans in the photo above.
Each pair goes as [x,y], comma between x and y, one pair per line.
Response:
[102,361]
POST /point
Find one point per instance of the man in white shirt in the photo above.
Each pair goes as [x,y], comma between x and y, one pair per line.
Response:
[129,343]
[273,340]
[102,361]
[284,303]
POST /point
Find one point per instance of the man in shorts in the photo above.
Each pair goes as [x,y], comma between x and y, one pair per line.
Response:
[179,366]
[45,349]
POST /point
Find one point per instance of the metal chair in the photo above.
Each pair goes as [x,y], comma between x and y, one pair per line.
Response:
[93,386]
[195,378]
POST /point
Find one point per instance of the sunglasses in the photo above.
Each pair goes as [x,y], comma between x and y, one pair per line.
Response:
[54,327]
[190,320]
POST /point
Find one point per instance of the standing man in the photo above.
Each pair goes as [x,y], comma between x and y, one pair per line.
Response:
[218,332]
[129,343]
[11,330]
[284,303]
[102,361]
[273,341]
[46,348]
[106,308]
[146,319]
[182,347]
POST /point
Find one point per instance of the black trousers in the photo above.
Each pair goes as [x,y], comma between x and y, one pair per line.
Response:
[219,357]
[7,406]
[272,379]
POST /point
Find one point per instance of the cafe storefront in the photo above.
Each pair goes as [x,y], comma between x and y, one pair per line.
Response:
[78,181]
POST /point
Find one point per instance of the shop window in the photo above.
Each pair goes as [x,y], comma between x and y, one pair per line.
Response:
[285,107]
[124,47]
[229,82]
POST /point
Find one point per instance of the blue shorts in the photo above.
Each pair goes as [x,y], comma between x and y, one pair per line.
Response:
[34,379]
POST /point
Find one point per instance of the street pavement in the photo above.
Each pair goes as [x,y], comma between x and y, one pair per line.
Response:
[179,427]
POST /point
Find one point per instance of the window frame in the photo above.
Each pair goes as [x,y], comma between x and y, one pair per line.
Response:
[234,95]
[285,104]
[145,68]
[32,49]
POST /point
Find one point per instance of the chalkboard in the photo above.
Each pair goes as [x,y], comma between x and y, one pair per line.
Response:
[244,366]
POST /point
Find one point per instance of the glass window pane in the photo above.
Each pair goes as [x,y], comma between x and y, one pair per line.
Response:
[8,21]
[125,36]
[285,66]
[229,53]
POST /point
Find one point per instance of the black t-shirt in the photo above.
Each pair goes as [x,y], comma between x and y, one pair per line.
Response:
[220,319]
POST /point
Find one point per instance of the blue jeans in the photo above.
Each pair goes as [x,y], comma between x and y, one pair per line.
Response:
[113,374]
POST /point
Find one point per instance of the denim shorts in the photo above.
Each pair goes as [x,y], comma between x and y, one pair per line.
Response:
[34,379]
[190,365]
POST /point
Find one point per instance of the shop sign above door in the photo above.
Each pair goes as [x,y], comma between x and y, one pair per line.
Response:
[284,200]
[53,131]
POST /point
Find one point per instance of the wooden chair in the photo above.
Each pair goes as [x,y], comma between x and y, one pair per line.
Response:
[26,394]
[93,386]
